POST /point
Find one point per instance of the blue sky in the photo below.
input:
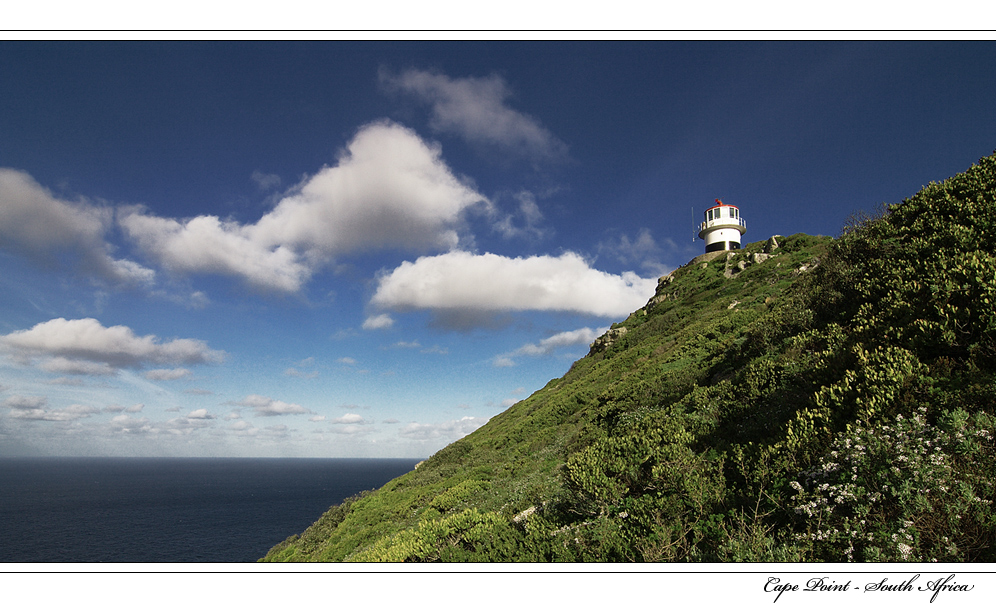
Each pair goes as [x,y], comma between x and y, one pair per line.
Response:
[369,249]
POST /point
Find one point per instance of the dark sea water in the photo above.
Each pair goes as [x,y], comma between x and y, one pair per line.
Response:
[169,509]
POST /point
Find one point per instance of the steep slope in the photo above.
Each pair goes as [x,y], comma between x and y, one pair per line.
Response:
[804,398]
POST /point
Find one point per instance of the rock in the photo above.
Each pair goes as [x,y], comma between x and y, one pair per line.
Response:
[523,515]
[759,258]
[610,337]
[733,304]
[772,244]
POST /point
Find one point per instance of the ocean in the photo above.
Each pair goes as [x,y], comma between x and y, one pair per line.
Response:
[160,510]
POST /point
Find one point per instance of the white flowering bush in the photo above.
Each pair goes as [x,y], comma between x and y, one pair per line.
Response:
[902,491]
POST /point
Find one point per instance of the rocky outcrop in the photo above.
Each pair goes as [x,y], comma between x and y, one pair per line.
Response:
[772,244]
[605,341]
[738,262]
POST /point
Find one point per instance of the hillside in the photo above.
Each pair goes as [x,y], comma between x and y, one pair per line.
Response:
[802,399]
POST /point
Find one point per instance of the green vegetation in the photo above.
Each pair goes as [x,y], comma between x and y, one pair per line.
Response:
[827,400]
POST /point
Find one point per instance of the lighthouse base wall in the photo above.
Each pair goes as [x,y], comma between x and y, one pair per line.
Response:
[722,246]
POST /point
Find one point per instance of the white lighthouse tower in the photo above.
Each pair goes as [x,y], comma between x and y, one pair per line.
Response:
[722,227]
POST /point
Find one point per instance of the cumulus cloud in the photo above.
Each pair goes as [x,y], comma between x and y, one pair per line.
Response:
[85,346]
[126,424]
[449,430]
[35,408]
[460,281]
[476,109]
[54,232]
[348,418]
[25,402]
[352,429]
[389,190]
[380,321]
[200,414]
[185,425]
[546,346]
[135,408]
[76,367]
[567,338]
[167,374]
[209,245]
[264,406]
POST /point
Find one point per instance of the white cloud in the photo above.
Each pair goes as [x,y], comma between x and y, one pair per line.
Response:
[525,222]
[293,372]
[347,360]
[268,407]
[85,346]
[243,426]
[317,418]
[76,367]
[389,190]
[461,281]
[476,109]
[265,181]
[35,408]
[47,230]
[381,321]
[25,402]
[209,245]
[568,338]
[641,250]
[348,418]
[126,424]
[200,414]
[118,408]
[546,346]
[449,430]
[167,374]
[185,425]
[351,429]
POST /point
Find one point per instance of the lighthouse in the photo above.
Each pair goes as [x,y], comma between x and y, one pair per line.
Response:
[722,227]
